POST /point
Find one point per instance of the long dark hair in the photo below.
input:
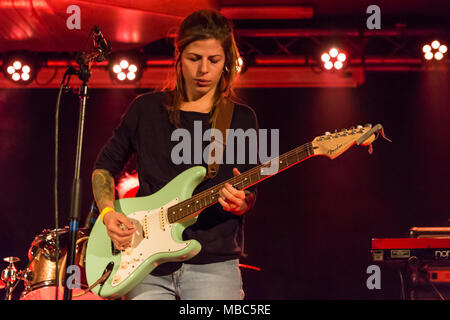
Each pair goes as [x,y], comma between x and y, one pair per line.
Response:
[201,25]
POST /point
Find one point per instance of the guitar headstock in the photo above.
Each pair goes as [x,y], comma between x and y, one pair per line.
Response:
[334,144]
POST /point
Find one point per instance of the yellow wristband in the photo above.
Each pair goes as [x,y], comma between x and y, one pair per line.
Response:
[105,211]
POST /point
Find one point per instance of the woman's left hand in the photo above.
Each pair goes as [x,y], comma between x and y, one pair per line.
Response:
[232,199]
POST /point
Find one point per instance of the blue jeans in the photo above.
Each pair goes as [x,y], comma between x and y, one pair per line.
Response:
[213,281]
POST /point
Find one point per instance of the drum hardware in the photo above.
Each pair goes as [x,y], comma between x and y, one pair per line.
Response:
[9,276]
[41,271]
[39,276]
[24,275]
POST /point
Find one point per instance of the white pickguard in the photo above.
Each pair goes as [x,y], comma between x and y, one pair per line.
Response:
[153,235]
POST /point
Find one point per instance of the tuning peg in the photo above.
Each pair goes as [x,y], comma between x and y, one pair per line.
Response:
[336,134]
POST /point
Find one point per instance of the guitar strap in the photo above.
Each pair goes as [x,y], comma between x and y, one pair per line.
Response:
[222,123]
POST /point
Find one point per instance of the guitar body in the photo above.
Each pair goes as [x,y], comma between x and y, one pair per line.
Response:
[156,240]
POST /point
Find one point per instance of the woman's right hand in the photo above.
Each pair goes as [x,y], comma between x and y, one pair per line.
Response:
[119,228]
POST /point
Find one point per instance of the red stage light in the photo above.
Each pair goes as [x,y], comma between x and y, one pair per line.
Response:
[328,65]
[325,57]
[341,57]
[434,50]
[334,52]
[333,59]
[338,65]
[435,44]
[18,70]
[125,70]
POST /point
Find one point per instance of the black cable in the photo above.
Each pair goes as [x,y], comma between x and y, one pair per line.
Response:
[402,285]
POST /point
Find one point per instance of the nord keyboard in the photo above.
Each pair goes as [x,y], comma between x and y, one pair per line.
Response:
[402,249]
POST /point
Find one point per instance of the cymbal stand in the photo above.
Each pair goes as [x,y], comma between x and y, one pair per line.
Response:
[9,276]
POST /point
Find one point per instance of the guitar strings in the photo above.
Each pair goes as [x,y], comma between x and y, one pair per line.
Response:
[241,178]
[249,172]
[211,193]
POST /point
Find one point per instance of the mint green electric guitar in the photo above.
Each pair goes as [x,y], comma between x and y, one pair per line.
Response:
[161,218]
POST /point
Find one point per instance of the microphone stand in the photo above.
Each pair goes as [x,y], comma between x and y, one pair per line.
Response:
[84,73]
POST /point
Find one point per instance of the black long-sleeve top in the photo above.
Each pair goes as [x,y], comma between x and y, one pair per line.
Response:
[145,130]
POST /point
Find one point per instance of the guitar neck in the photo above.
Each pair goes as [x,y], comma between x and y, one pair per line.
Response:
[193,206]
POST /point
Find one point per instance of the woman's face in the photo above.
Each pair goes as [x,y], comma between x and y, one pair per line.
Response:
[202,65]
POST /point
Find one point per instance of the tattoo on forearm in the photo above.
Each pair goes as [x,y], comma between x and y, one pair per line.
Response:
[103,187]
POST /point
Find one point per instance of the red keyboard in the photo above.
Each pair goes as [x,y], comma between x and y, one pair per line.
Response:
[401,249]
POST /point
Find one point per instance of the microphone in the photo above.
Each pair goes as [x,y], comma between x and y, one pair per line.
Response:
[101,44]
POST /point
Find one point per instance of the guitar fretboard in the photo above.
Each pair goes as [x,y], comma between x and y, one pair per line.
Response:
[192,206]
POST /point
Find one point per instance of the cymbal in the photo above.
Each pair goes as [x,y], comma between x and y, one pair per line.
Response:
[11,259]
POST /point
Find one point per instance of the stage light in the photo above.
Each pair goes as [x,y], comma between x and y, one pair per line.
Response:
[341,57]
[20,68]
[435,44]
[429,56]
[11,70]
[132,68]
[438,55]
[17,65]
[26,69]
[131,76]
[426,48]
[338,65]
[245,60]
[124,64]
[121,76]
[239,65]
[325,57]
[328,65]
[434,50]
[334,52]
[333,59]
[126,69]
[117,69]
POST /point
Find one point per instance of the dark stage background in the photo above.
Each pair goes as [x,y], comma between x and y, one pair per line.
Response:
[311,229]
